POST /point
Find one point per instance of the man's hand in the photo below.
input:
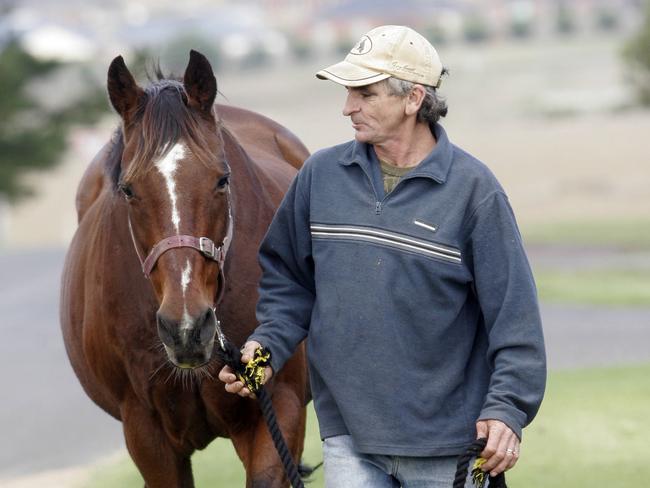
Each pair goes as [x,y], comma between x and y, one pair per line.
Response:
[502,450]
[233,384]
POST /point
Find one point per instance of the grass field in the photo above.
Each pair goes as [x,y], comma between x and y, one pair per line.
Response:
[603,287]
[592,430]
[616,271]
[622,233]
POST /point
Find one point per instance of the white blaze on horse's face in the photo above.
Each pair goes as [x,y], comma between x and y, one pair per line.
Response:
[186,277]
[167,167]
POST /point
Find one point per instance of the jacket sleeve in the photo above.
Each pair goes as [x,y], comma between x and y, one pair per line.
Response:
[286,291]
[508,299]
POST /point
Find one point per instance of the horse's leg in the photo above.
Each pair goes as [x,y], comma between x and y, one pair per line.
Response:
[159,463]
[255,446]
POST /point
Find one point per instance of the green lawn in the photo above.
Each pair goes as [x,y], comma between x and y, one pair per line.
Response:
[600,284]
[609,287]
[216,466]
[620,233]
[592,431]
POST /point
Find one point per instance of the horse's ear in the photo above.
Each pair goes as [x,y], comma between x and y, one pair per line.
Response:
[123,91]
[200,83]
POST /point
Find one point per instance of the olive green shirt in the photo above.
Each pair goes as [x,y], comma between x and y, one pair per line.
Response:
[392,174]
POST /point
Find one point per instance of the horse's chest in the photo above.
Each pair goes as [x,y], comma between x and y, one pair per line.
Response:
[183,418]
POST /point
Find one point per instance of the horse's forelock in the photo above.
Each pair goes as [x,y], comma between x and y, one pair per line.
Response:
[114,158]
[164,120]
[155,74]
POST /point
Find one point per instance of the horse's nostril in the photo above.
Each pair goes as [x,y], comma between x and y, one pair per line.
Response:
[165,330]
[207,327]
[199,332]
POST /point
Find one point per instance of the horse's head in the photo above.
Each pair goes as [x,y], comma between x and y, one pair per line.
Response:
[175,180]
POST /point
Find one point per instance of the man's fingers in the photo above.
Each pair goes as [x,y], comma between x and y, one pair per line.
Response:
[498,454]
[509,460]
[232,383]
[268,372]
[513,457]
[499,450]
[239,388]
[226,375]
[494,438]
[234,387]
[503,455]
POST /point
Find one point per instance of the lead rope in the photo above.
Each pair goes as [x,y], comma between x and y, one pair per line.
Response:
[252,374]
[478,477]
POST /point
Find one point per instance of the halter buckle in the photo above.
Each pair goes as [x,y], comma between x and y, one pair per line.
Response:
[207,246]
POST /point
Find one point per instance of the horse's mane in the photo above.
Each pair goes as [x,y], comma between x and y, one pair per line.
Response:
[163,118]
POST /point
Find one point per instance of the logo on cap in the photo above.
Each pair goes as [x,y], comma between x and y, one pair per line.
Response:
[363,46]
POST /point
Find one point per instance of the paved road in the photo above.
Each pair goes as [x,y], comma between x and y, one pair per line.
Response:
[47,421]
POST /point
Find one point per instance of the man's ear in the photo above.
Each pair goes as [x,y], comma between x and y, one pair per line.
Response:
[414,99]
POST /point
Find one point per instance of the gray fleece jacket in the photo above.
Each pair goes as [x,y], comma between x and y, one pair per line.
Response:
[419,307]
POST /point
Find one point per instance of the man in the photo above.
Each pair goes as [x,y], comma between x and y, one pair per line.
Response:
[397,257]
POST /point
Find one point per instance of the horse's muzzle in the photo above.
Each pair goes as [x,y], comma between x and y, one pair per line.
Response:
[188,342]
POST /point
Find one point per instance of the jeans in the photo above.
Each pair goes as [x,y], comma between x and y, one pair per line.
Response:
[344,467]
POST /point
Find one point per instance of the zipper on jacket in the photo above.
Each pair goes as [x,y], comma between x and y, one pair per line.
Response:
[374,191]
[379,205]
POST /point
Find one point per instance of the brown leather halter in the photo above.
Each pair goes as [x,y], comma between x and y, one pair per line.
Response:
[204,245]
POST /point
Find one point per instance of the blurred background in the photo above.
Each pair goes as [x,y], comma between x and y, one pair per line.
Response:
[553,95]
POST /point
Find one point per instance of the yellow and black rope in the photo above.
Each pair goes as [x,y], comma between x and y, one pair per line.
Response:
[253,373]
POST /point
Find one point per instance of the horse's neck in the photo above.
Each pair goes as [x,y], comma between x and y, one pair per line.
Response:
[250,187]
[109,234]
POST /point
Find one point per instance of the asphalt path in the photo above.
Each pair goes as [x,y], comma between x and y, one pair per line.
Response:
[48,422]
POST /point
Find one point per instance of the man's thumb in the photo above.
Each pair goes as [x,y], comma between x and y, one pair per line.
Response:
[481,429]
[248,351]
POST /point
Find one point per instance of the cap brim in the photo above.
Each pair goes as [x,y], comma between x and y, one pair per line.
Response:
[348,74]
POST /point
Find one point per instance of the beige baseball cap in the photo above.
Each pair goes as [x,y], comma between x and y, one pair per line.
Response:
[385,51]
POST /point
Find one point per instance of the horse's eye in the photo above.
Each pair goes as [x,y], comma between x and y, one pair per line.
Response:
[223,182]
[127,191]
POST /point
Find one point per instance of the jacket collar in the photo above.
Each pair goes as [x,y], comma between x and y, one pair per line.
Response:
[435,166]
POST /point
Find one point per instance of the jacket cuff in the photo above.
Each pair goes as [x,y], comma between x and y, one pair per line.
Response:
[505,416]
[276,360]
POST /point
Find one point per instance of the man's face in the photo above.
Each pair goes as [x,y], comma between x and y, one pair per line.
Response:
[376,115]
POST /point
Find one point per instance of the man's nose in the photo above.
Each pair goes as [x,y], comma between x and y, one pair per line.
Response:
[350,105]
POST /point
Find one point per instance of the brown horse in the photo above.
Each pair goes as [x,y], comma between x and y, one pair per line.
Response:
[198,184]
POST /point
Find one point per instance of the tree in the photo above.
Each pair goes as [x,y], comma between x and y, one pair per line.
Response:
[606,19]
[475,28]
[637,56]
[565,22]
[33,136]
